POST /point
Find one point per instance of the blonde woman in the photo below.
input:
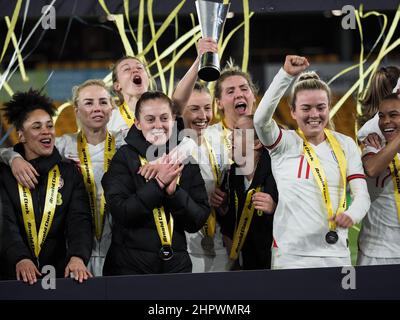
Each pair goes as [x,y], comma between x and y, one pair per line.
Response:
[312,167]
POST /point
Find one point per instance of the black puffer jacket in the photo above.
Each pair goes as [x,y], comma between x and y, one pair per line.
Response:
[131,201]
[71,230]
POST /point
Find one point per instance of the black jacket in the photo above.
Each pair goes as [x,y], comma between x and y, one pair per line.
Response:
[256,251]
[71,231]
[131,200]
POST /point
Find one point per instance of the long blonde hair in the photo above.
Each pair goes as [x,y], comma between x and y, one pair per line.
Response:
[88,83]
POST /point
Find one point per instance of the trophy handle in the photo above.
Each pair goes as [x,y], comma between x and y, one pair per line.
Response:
[209,69]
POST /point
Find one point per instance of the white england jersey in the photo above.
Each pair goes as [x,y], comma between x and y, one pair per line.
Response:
[371,126]
[301,218]
[380,232]
[194,239]
[117,124]
[221,141]
[67,146]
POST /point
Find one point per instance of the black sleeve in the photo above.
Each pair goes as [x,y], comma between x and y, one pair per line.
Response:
[79,220]
[228,220]
[270,186]
[192,205]
[14,246]
[127,203]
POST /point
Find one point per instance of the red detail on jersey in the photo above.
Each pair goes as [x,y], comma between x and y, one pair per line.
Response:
[275,245]
[299,172]
[368,154]
[300,166]
[308,171]
[356,176]
[277,140]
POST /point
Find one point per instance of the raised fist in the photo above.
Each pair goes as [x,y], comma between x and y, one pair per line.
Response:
[294,65]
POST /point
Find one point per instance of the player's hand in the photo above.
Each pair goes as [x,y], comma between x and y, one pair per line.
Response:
[294,65]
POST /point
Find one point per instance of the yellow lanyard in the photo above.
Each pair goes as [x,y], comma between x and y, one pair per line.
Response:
[127,114]
[394,170]
[244,223]
[319,174]
[88,177]
[35,239]
[227,133]
[227,141]
[164,232]
[210,225]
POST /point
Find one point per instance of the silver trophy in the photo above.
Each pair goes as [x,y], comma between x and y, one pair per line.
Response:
[212,16]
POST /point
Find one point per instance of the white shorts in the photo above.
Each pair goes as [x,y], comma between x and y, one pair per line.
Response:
[205,263]
[363,260]
[291,261]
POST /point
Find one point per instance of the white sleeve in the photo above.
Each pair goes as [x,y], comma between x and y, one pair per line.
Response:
[266,128]
[358,186]
[371,126]
[120,139]
[368,150]
[184,149]
[7,155]
[61,144]
[360,200]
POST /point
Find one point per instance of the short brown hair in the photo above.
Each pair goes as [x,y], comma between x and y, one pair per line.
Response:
[153,95]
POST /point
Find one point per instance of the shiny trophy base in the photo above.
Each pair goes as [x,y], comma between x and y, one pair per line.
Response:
[209,69]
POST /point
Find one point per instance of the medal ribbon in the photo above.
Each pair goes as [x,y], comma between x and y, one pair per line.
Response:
[164,230]
[320,177]
[210,225]
[227,141]
[244,224]
[36,240]
[127,114]
[394,170]
[88,177]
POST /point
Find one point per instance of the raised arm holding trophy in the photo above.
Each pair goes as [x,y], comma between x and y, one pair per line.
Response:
[212,16]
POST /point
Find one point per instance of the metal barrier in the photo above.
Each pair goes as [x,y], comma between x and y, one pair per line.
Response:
[370,282]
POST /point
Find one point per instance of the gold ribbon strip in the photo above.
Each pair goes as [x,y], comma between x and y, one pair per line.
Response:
[88,177]
[164,230]
[127,114]
[319,174]
[210,225]
[35,239]
[394,170]
[244,223]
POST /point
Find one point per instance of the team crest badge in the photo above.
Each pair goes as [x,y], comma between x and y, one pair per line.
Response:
[61,183]
[59,199]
